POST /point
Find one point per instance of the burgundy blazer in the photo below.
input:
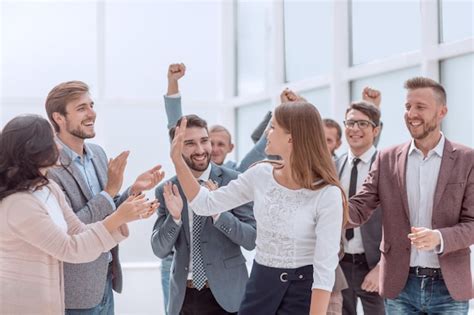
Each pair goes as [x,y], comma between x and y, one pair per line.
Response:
[453,216]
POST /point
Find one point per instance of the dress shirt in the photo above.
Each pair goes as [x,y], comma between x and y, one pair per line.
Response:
[422,176]
[355,245]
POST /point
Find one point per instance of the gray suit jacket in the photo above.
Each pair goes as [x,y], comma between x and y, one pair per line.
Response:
[371,230]
[223,260]
[84,284]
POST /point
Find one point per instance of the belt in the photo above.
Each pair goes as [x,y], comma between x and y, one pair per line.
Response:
[426,272]
[190,285]
[356,259]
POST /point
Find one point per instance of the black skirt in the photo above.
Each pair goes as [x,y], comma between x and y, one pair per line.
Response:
[281,291]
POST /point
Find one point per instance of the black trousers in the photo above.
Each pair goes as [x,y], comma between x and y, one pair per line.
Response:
[201,302]
[372,302]
[271,291]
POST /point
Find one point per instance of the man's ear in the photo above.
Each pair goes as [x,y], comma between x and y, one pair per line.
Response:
[231,147]
[58,118]
[290,140]
[338,144]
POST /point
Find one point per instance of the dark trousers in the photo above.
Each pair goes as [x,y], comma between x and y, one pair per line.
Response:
[271,291]
[372,302]
[201,302]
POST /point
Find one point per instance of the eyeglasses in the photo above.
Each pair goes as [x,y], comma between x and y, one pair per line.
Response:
[362,124]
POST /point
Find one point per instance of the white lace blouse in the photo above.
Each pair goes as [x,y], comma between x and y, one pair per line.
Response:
[295,228]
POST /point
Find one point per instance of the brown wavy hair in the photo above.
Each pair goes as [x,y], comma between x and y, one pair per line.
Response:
[26,145]
[312,166]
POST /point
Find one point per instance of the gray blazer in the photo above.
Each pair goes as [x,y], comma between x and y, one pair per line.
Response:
[371,231]
[84,284]
[223,260]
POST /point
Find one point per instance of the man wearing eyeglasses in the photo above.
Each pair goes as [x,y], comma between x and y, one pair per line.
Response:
[361,245]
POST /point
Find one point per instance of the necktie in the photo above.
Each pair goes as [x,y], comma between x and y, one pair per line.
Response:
[352,191]
[199,274]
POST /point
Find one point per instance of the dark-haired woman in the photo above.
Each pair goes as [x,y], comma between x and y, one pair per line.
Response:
[298,206]
[38,229]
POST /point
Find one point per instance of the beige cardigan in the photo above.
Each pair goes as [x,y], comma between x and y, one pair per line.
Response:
[33,247]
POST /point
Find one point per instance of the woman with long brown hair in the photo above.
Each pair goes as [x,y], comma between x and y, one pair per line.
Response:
[38,229]
[298,206]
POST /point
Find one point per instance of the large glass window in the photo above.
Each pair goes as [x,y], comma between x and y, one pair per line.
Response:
[45,43]
[314,51]
[384,28]
[392,106]
[248,118]
[320,98]
[457,18]
[457,78]
[252,38]
[144,38]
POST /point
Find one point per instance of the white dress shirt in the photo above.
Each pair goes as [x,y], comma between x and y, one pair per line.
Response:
[355,245]
[421,179]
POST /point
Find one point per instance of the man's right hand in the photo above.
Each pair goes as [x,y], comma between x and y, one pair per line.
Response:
[173,200]
[115,172]
[175,72]
[288,96]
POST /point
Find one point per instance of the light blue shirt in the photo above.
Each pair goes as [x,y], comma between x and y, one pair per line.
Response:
[86,167]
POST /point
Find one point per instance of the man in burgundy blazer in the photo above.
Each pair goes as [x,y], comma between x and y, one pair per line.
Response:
[426,190]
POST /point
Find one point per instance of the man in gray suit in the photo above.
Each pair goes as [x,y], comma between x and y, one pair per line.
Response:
[91,184]
[208,273]
[361,245]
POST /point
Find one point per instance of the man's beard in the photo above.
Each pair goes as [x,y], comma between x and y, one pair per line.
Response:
[79,133]
[195,167]
[427,128]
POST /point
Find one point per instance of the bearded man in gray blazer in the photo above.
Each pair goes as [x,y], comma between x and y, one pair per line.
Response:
[208,274]
[426,192]
[91,184]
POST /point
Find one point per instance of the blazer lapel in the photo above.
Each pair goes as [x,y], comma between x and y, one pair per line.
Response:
[71,168]
[447,164]
[402,156]
[184,213]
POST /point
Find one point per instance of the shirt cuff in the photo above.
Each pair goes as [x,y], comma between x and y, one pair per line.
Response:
[440,248]
[110,199]
[178,222]
[175,95]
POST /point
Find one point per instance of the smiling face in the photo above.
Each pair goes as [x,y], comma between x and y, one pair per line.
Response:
[197,149]
[423,113]
[221,146]
[80,118]
[359,139]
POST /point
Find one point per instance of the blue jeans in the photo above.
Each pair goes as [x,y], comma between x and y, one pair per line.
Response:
[165,280]
[425,295]
[105,307]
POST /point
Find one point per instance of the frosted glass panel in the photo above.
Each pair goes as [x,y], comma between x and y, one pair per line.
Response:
[457,79]
[308,38]
[252,36]
[144,37]
[457,19]
[45,43]
[393,103]
[320,98]
[248,118]
[384,28]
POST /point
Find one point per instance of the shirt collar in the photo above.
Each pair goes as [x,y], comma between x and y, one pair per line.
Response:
[365,157]
[206,174]
[88,154]
[438,149]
